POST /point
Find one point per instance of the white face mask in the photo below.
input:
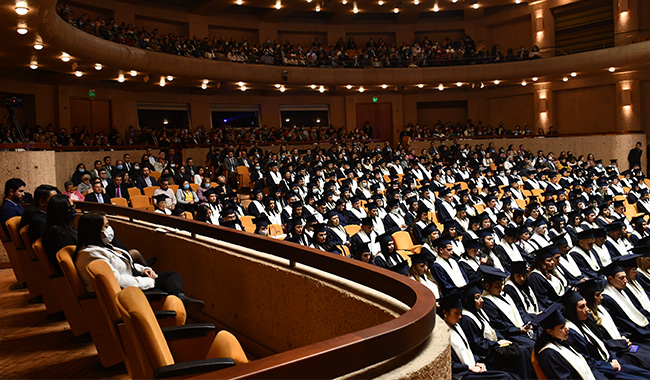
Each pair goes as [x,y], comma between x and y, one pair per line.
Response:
[108,235]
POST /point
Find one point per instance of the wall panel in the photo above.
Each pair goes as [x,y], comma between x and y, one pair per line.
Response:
[510,110]
[251,35]
[512,34]
[586,110]
[164,26]
[362,38]
[430,112]
[304,39]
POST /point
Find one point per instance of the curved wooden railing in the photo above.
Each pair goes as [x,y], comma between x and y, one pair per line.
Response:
[333,357]
[92,49]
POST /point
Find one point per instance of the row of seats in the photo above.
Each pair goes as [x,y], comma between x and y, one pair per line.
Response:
[121,323]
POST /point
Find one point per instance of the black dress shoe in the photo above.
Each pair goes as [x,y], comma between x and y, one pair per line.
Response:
[191,305]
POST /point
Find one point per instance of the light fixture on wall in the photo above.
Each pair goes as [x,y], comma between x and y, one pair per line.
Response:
[539,22]
[355,8]
[441,87]
[623,6]
[626,97]
[542,105]
[436,7]
[475,4]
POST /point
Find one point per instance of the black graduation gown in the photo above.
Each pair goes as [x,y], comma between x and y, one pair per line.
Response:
[519,365]
[640,358]
[500,322]
[543,290]
[571,279]
[472,275]
[388,260]
[512,292]
[590,353]
[556,367]
[584,266]
[624,323]
[443,279]
[645,283]
[460,370]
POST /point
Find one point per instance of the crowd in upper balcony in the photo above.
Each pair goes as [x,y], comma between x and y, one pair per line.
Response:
[182,137]
[422,52]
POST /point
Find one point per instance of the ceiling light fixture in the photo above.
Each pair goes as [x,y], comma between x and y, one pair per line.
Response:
[524,83]
[243,88]
[420,85]
[21,8]
[482,85]
[496,81]
[475,4]
[162,82]
[380,2]
[517,1]
[282,89]
[355,8]
[395,10]
[612,69]
[317,8]
[361,89]
[313,86]
[134,73]
[574,74]
[278,4]
[441,87]
[436,7]
[535,79]
[344,2]
[349,87]
[205,81]
[33,64]
[384,86]
[38,46]
[65,57]
[204,86]
[120,77]
[22,29]
[459,84]
[238,2]
[565,79]
[170,78]
[98,66]
[78,74]
[321,89]
[240,84]
[277,85]
[416,2]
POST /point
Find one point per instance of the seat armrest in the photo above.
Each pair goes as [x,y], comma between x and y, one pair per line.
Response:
[188,331]
[164,314]
[193,367]
[154,294]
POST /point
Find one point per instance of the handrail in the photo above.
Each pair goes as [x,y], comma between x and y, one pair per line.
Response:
[332,357]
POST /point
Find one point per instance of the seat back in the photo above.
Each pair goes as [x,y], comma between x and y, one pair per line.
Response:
[64,256]
[275,230]
[538,370]
[174,188]
[195,187]
[155,174]
[402,240]
[119,202]
[39,251]
[143,330]
[247,222]
[352,229]
[13,226]
[13,256]
[148,191]
[27,242]
[133,191]
[106,286]
[141,202]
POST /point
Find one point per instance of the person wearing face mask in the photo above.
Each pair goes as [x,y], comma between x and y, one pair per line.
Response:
[94,243]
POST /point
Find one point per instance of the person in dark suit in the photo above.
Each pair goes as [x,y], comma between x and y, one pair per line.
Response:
[230,164]
[97,195]
[14,193]
[145,180]
[190,168]
[117,188]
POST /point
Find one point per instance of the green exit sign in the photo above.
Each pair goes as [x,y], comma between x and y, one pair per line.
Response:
[91,93]
[375,99]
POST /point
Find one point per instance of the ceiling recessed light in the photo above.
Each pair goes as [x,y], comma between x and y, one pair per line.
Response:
[380,2]
[349,87]
[98,66]
[33,65]
[22,29]
[420,85]
[278,4]
[321,89]
[524,83]
[313,86]
[243,88]
[22,10]
[79,74]
[384,86]
[277,85]
[459,84]
[475,5]
[612,69]
[65,57]
[134,73]
[416,2]
[535,79]
[204,86]
[482,85]
[238,2]
[355,8]
[162,82]
[441,87]
[170,78]
[436,8]
[120,78]
[344,2]
[38,46]
[205,81]
[574,74]
[240,84]
[395,10]
[496,81]
[317,8]
[565,79]
[361,89]
[282,89]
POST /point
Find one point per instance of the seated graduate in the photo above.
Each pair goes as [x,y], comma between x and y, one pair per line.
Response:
[639,355]
[160,201]
[419,271]
[518,289]
[486,342]
[643,273]
[600,249]
[421,221]
[583,255]
[543,279]
[432,233]
[464,363]
[585,338]
[508,250]
[261,225]
[618,304]
[366,234]
[471,260]
[387,255]
[634,289]
[321,241]
[337,234]
[229,219]
[445,269]
[556,358]
[566,265]
[95,235]
[487,244]
[505,317]
[362,252]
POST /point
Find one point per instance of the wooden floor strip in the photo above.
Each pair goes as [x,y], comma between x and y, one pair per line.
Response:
[31,347]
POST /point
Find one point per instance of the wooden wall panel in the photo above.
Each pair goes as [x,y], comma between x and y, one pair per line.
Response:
[439,35]
[513,34]
[586,110]
[164,26]
[362,38]
[251,35]
[100,111]
[511,111]
[430,112]
[80,113]
[304,39]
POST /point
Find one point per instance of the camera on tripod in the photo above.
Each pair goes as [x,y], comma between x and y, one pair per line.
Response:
[14,103]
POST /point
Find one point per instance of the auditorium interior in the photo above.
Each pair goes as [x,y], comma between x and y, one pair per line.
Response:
[391,117]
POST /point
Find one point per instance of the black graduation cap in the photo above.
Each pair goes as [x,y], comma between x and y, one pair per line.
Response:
[588,211]
[428,230]
[543,253]
[385,237]
[638,220]
[310,219]
[418,258]
[627,261]
[589,288]
[559,239]
[361,248]
[519,267]
[471,289]
[585,234]
[261,221]
[485,232]
[491,274]
[614,226]
[320,227]
[451,301]
[570,298]
[551,317]
[539,222]
[512,232]
[599,232]
[611,269]
[367,221]
[161,198]
[442,241]
[445,192]
[372,206]
[501,215]
[461,207]
[471,243]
